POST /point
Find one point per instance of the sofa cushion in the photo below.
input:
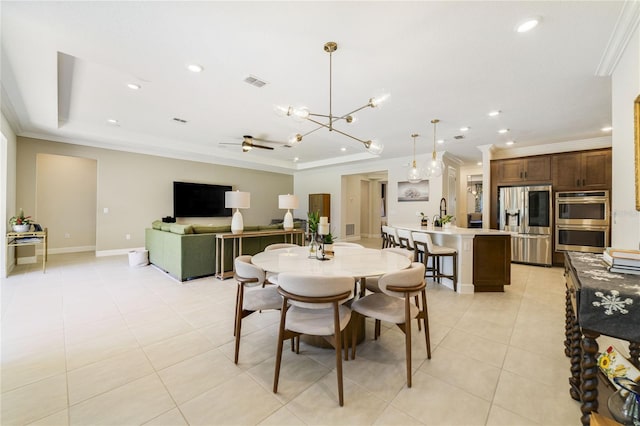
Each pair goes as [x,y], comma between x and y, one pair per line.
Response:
[271,227]
[156,224]
[210,229]
[181,229]
[165,227]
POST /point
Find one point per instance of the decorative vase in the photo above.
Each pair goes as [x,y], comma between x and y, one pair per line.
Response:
[21,228]
[624,404]
[313,246]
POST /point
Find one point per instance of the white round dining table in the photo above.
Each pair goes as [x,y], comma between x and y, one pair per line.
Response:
[346,261]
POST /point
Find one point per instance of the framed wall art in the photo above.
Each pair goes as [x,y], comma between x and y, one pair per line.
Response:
[408,191]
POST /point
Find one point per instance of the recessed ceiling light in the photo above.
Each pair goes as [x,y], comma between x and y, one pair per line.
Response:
[509,143]
[195,68]
[479,163]
[607,129]
[112,121]
[528,25]
[343,149]
[295,159]
[503,131]
[494,113]
[134,86]
[464,129]
[440,141]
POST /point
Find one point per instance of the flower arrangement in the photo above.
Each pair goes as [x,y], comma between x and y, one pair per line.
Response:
[20,219]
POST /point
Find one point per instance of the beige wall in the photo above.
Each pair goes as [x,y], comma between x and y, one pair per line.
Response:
[137,189]
[66,201]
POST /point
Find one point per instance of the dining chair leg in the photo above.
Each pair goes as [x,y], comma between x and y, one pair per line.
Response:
[425,319]
[376,332]
[407,337]
[283,315]
[338,342]
[354,331]
[418,319]
[238,327]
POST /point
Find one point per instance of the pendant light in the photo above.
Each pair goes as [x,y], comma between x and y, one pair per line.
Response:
[415,174]
[434,167]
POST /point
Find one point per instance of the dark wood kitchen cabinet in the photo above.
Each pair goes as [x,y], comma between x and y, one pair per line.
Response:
[584,170]
[524,170]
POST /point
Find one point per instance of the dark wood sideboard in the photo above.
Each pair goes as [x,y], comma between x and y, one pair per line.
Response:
[598,302]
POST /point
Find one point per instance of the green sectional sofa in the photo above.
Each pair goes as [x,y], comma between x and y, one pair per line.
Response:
[189,251]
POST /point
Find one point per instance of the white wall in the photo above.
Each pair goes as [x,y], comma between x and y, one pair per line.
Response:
[7,187]
[625,88]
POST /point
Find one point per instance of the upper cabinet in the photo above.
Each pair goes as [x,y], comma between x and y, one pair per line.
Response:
[524,170]
[583,170]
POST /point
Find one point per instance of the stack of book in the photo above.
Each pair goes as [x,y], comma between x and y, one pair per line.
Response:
[622,261]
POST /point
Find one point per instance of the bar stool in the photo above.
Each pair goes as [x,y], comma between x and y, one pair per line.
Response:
[405,240]
[392,236]
[424,245]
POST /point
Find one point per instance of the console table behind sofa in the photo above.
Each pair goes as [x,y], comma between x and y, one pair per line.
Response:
[189,251]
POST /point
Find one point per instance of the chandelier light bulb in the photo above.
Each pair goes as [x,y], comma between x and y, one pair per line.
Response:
[300,113]
[374,147]
[282,111]
[377,101]
[295,139]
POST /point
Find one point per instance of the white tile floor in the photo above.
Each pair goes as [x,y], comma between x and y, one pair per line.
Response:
[94,341]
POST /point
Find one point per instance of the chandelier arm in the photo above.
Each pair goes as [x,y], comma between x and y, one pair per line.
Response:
[356,110]
[314,130]
[338,131]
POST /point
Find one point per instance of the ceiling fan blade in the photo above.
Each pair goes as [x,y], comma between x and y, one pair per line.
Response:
[261,146]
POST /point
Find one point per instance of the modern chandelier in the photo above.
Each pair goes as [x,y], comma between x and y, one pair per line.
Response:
[372,146]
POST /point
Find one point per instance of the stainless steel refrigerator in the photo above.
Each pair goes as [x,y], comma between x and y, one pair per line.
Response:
[526,211]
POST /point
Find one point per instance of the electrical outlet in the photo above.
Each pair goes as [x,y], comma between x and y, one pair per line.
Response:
[67,235]
[127,237]
[105,210]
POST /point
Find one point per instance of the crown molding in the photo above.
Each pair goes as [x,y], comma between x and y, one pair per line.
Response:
[627,22]
[552,148]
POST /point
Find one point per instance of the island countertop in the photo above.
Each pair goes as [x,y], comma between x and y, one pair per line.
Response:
[453,230]
[484,255]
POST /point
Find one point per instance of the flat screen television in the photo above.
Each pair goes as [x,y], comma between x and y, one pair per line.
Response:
[199,200]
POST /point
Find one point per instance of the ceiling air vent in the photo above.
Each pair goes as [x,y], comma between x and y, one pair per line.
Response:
[459,137]
[255,81]
[179,120]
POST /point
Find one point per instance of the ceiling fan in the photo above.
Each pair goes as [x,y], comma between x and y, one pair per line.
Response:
[248,143]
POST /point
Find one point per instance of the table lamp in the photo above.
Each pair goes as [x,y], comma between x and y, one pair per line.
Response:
[237,200]
[288,202]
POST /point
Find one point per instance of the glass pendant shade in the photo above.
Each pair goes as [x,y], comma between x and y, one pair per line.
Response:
[415,174]
[375,147]
[434,167]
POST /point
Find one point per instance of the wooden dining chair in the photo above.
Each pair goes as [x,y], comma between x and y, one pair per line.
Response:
[254,293]
[393,304]
[313,305]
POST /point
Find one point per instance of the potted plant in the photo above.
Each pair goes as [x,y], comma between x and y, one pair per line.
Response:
[424,221]
[20,222]
[446,220]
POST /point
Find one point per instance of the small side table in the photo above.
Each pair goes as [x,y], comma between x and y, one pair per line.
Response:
[20,239]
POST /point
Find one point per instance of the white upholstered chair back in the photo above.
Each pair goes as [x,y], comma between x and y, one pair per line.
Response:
[307,285]
[425,238]
[409,277]
[245,269]
[404,237]
[277,246]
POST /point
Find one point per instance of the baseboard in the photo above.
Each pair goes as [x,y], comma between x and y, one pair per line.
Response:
[117,252]
[64,250]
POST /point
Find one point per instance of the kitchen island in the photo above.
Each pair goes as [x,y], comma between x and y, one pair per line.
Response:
[484,255]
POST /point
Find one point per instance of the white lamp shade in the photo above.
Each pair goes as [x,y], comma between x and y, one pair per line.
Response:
[288,201]
[237,200]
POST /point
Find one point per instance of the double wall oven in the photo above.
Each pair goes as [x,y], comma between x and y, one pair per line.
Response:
[582,221]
